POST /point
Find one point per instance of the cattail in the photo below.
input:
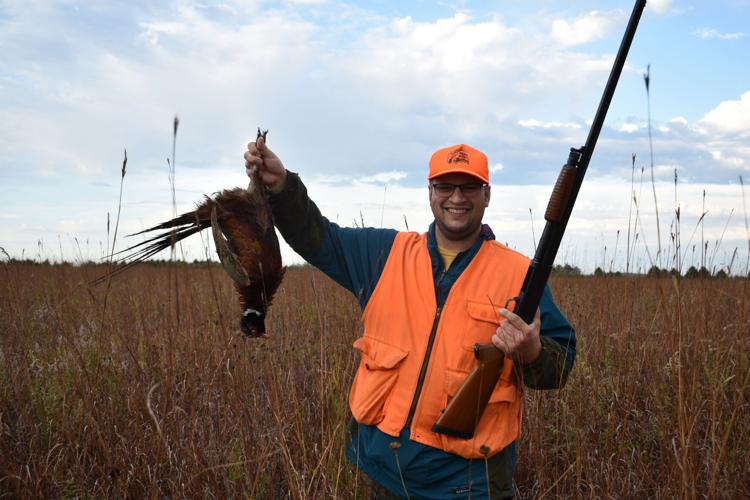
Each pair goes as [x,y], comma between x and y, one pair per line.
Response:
[630,210]
[647,81]
[117,225]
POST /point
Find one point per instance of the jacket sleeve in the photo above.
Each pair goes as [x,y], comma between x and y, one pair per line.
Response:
[353,257]
[551,369]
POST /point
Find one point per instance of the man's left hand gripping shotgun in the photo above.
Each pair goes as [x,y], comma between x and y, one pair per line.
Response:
[461,417]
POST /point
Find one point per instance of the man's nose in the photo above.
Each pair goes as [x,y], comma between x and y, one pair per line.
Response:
[457,195]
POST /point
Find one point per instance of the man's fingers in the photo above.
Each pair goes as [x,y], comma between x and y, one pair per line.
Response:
[261,149]
[513,318]
[251,159]
[514,335]
[500,343]
[507,339]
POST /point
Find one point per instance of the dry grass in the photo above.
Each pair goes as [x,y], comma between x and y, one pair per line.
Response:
[658,405]
[123,402]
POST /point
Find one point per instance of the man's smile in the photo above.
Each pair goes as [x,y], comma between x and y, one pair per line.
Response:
[456,211]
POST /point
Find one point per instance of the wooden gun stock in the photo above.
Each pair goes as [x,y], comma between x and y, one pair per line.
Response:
[455,420]
[461,417]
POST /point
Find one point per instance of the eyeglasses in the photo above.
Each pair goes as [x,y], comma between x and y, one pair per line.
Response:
[446,189]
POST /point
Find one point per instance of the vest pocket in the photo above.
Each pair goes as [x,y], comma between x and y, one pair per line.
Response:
[376,376]
[485,319]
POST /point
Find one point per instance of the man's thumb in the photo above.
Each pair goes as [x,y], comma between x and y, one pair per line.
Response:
[260,143]
[263,149]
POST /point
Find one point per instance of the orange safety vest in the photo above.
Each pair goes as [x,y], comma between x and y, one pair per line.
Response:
[402,322]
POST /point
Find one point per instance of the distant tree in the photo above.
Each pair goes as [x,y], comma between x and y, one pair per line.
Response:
[693,272]
[720,274]
[655,272]
[599,272]
[566,270]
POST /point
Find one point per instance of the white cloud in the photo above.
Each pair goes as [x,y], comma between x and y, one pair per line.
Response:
[307,2]
[679,120]
[712,33]
[666,171]
[586,28]
[629,128]
[675,124]
[660,6]
[456,66]
[734,162]
[384,177]
[730,116]
[531,123]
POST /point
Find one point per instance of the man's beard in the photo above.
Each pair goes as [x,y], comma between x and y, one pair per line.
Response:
[457,234]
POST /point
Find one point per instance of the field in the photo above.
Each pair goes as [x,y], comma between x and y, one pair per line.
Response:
[147,390]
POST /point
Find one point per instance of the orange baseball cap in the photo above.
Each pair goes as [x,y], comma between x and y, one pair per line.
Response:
[459,159]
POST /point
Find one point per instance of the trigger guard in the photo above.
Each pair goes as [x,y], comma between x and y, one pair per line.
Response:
[512,300]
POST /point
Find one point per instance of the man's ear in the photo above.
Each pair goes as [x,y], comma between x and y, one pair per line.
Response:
[487,196]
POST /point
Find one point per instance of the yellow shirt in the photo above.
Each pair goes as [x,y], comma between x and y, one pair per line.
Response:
[448,256]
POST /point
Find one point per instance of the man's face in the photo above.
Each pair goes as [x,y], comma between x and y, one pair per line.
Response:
[458,215]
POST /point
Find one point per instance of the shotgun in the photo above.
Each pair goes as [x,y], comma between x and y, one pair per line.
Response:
[461,416]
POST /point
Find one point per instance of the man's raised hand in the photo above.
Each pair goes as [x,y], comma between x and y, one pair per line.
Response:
[271,170]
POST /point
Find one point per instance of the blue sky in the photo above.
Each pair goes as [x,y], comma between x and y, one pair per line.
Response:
[356,96]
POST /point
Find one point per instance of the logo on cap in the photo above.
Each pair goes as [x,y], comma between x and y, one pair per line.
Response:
[458,155]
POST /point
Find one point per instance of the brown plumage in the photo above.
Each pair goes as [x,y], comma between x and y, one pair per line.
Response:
[245,240]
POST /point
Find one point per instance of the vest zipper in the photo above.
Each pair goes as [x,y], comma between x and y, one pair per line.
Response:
[428,353]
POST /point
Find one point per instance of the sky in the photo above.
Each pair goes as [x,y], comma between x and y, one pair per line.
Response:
[356,96]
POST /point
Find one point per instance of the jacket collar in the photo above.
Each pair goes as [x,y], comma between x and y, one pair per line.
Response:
[462,259]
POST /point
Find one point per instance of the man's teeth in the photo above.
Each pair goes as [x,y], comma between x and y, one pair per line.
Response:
[457,210]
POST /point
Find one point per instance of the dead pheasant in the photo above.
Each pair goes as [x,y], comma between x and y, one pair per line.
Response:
[245,240]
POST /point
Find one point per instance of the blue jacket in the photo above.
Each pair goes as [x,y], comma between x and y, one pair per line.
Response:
[355,258]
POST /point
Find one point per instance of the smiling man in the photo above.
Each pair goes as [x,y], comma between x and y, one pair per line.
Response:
[426,300]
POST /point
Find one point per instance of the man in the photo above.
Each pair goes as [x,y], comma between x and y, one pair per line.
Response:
[426,300]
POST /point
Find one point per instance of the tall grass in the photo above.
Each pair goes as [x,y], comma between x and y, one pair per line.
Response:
[99,407]
[658,403]
[647,82]
[90,405]
[123,171]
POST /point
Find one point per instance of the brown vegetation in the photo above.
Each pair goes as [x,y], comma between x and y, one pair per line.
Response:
[132,401]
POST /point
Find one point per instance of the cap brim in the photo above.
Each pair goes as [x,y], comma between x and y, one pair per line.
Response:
[458,171]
